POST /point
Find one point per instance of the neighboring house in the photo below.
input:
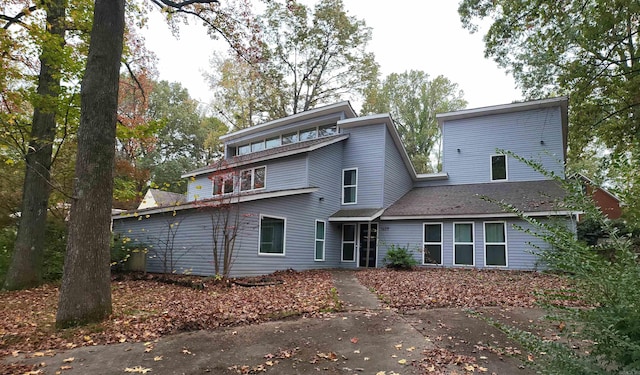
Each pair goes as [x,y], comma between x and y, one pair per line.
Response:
[326,188]
[159,198]
[608,203]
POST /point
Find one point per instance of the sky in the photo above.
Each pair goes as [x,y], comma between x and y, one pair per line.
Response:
[407,34]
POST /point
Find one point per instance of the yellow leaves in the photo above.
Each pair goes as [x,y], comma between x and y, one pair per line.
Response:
[68,360]
[402,361]
[157,358]
[137,370]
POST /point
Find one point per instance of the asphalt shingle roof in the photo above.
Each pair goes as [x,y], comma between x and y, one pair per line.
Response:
[467,199]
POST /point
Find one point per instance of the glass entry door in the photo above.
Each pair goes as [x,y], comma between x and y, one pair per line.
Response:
[368,244]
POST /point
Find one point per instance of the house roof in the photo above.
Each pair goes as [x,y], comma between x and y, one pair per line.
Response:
[272,153]
[470,200]
[343,106]
[359,214]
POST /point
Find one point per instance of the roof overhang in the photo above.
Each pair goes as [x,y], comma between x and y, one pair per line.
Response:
[356,215]
[481,216]
[224,200]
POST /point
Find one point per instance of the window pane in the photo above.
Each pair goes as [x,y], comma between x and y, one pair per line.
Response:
[273,142]
[494,232]
[432,254]
[271,235]
[348,253]
[258,177]
[217,185]
[258,146]
[464,255]
[496,255]
[245,180]
[319,250]
[228,184]
[327,130]
[499,167]
[307,134]
[463,233]
[289,138]
[350,177]
[349,195]
[244,149]
[432,233]
[349,232]
[319,230]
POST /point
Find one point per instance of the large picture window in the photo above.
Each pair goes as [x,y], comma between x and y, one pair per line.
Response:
[350,186]
[432,253]
[349,243]
[272,235]
[252,179]
[319,245]
[498,167]
[495,244]
[223,184]
[463,254]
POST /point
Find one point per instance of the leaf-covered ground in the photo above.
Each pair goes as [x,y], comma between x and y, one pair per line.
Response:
[461,288]
[144,310]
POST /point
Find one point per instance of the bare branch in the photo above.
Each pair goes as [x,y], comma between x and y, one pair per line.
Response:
[16,19]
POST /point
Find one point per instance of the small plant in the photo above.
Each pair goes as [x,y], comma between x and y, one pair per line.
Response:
[399,258]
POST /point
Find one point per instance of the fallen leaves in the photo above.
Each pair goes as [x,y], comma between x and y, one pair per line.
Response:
[460,288]
[137,370]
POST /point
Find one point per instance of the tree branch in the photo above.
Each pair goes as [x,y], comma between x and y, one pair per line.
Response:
[16,18]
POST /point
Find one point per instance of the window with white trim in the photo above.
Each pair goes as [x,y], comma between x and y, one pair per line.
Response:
[319,245]
[349,243]
[495,244]
[253,179]
[272,235]
[349,186]
[498,167]
[432,245]
[223,184]
[463,247]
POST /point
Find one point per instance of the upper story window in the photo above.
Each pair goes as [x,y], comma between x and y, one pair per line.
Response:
[498,167]
[350,186]
[252,179]
[287,138]
[223,184]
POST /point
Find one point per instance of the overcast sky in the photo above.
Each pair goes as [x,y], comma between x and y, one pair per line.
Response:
[407,34]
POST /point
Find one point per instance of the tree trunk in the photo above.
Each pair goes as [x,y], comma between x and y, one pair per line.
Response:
[25,270]
[85,293]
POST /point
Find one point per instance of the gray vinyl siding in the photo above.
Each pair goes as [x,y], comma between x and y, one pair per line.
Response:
[520,245]
[283,173]
[397,179]
[533,134]
[365,150]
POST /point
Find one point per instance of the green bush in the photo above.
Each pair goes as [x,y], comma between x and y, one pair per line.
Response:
[7,239]
[399,258]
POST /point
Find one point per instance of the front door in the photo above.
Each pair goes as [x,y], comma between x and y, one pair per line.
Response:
[368,244]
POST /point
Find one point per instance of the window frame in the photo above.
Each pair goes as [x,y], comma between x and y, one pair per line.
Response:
[223,177]
[317,240]
[252,184]
[284,236]
[425,243]
[472,243]
[505,244]
[355,242]
[506,168]
[354,186]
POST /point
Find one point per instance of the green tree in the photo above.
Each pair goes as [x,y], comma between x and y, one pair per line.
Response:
[413,100]
[309,57]
[587,50]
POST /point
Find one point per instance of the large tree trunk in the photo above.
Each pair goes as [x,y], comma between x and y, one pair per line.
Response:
[85,293]
[26,264]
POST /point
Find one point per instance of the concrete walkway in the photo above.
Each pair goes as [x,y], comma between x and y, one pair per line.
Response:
[353,295]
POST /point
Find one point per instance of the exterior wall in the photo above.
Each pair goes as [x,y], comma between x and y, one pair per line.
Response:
[609,205]
[192,245]
[520,250]
[365,150]
[533,134]
[284,173]
[397,179]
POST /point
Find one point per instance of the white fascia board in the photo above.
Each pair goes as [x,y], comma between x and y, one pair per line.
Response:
[343,106]
[268,157]
[214,202]
[480,216]
[357,218]
[503,108]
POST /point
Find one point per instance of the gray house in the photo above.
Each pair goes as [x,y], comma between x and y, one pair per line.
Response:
[326,189]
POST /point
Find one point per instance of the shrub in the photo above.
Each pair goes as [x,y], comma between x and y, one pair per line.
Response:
[399,258]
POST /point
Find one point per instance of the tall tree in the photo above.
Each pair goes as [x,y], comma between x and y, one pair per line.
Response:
[413,100]
[310,57]
[47,103]
[588,50]
[85,293]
